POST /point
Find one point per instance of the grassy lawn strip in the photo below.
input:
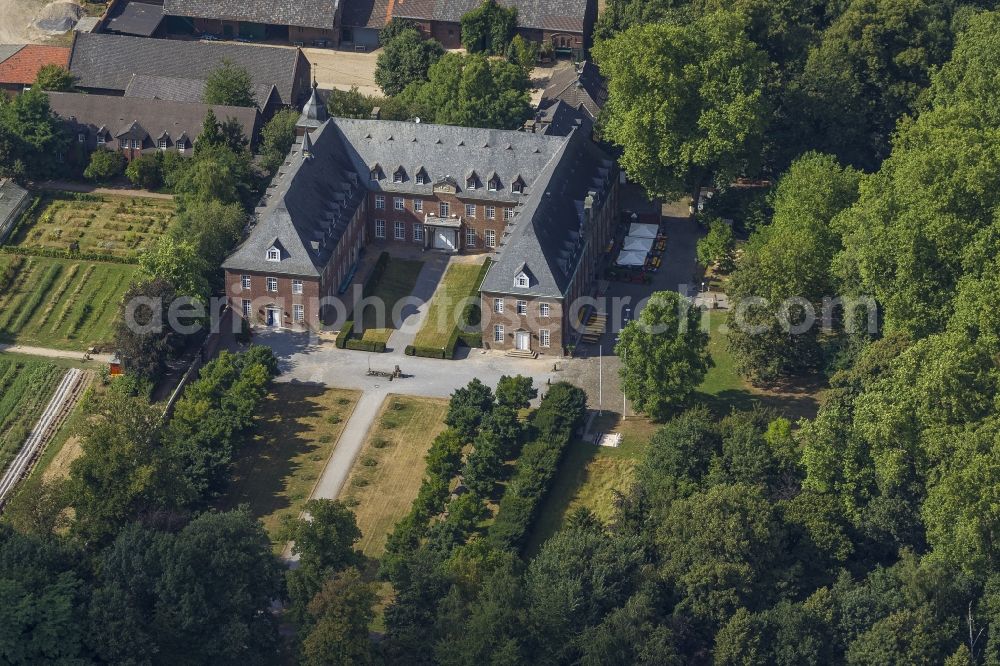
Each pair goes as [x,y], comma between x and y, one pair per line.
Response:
[395,284]
[460,281]
[297,430]
[390,467]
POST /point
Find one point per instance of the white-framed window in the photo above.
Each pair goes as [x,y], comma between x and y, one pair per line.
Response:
[100,140]
[543,309]
[498,305]
[296,286]
[376,173]
[522,281]
[498,335]
[399,176]
[491,213]
[491,238]
[379,228]
[298,313]
[472,182]
[182,147]
[379,202]
[517,187]
[495,184]
[247,305]
[470,210]
[397,203]
[161,144]
[522,307]
[470,238]
[444,209]
[274,254]
[422,178]
[508,213]
[399,230]
[272,284]
[418,205]
[136,145]
[543,337]
[81,137]
[245,281]
[418,232]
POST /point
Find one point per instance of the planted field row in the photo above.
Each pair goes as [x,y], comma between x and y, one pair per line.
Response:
[25,388]
[60,303]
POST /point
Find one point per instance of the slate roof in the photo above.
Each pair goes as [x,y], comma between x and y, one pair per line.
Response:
[306,210]
[136,18]
[305,13]
[546,239]
[23,61]
[446,150]
[314,111]
[184,90]
[109,61]
[551,15]
[578,87]
[560,119]
[118,114]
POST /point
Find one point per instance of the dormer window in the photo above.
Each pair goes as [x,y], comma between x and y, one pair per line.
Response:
[377,173]
[472,181]
[399,175]
[517,187]
[100,139]
[162,143]
[521,280]
[422,178]
[495,184]
[273,254]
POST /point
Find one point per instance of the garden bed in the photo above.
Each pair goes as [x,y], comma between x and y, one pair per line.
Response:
[25,389]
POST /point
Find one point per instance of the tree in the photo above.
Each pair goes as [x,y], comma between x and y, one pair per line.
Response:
[54,78]
[342,611]
[489,28]
[664,355]
[350,103]
[32,140]
[180,264]
[213,228]
[523,52]
[405,59]
[394,28]
[104,165]
[146,172]
[467,407]
[277,137]
[216,173]
[686,102]
[716,248]
[515,392]
[230,85]
[145,344]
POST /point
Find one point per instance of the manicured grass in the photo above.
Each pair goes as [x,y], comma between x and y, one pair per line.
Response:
[460,281]
[390,467]
[395,284]
[723,377]
[25,389]
[297,430]
[107,225]
[61,303]
[590,475]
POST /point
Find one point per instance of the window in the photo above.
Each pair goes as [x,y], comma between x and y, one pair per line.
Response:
[376,173]
[81,137]
[296,286]
[135,144]
[379,202]
[470,238]
[444,208]
[274,254]
[543,309]
[399,176]
[494,184]
[245,281]
[470,210]
[522,307]
[399,230]
[491,213]
[422,178]
[397,203]
[379,228]
[299,313]
[182,146]
[522,281]
[272,284]
[418,205]
[100,140]
[517,187]
[418,232]
[498,333]
[491,238]
[161,144]
[508,213]
[472,182]
[247,308]
[498,305]
[543,337]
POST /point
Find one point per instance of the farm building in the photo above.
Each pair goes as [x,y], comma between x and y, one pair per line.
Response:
[19,64]
[14,200]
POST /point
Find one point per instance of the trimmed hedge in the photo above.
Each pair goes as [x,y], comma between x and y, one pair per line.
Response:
[345,333]
[365,345]
[561,412]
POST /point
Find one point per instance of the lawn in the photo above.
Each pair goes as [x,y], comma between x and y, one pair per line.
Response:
[297,430]
[115,226]
[589,475]
[60,303]
[390,467]
[25,389]
[395,284]
[460,281]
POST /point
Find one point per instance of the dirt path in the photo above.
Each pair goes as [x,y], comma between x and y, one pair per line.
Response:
[45,352]
[84,188]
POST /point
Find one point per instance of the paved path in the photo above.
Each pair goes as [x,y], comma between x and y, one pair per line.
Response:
[55,353]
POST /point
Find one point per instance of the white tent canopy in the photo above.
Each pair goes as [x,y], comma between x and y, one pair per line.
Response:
[637,244]
[631,258]
[643,230]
